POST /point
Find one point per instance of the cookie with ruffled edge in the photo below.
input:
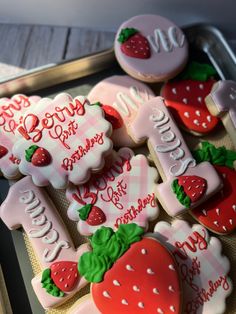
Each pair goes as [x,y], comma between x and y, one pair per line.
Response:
[151,48]
[202,267]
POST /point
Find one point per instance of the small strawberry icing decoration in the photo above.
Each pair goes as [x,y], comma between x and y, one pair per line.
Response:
[134,44]
[127,275]
[93,215]
[38,156]
[61,277]
[3,151]
[186,100]
[111,115]
[189,189]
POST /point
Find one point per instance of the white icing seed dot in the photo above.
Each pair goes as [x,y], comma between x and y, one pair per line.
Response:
[66,285]
[204,212]
[199,99]
[141,305]
[234,207]
[136,288]
[144,251]
[106,294]
[225,229]
[189,188]
[63,269]
[209,118]
[61,279]
[155,290]
[218,211]
[188,88]
[171,267]
[76,275]
[172,308]
[201,86]
[116,283]
[193,194]
[68,277]
[186,114]
[216,223]
[231,221]
[185,100]
[204,125]
[129,267]
[171,289]
[160,311]
[123,301]
[174,91]
[195,121]
[198,113]
[150,271]
[55,273]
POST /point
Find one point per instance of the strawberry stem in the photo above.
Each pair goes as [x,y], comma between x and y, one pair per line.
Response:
[30,151]
[49,285]
[126,33]
[198,72]
[180,194]
[84,211]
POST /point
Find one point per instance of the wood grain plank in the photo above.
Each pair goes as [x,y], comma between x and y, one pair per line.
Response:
[82,41]
[45,45]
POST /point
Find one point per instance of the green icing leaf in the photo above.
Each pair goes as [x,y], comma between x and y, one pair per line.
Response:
[180,194]
[126,33]
[48,284]
[93,266]
[198,72]
[129,233]
[30,151]
[215,155]
[101,236]
[97,104]
[84,211]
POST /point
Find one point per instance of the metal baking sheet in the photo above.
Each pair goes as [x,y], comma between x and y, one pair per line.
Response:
[78,77]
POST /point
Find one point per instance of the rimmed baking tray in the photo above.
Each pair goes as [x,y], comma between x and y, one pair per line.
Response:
[77,77]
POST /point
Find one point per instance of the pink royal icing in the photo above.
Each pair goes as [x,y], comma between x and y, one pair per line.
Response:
[154,123]
[124,192]
[11,112]
[202,267]
[125,95]
[72,132]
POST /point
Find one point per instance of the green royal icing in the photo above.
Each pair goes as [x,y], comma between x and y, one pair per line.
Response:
[126,33]
[84,211]
[48,284]
[198,71]
[180,194]
[108,246]
[216,155]
[30,151]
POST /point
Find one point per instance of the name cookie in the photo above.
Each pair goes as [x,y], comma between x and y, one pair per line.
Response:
[29,207]
[186,184]
[120,96]
[151,48]
[11,112]
[221,103]
[202,267]
[63,140]
[122,193]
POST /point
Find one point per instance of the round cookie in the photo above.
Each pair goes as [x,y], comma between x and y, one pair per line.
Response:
[124,95]
[151,48]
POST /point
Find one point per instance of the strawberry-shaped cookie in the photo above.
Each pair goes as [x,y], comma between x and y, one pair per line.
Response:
[218,214]
[11,112]
[130,274]
[120,97]
[122,193]
[68,138]
[134,44]
[186,100]
[61,277]
[202,267]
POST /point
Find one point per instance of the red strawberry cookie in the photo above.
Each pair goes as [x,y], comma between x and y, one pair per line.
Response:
[122,193]
[202,267]
[120,97]
[11,112]
[63,139]
[151,48]
[218,214]
[130,274]
[186,99]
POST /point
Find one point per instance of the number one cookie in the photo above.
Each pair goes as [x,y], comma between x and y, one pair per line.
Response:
[29,207]
[186,184]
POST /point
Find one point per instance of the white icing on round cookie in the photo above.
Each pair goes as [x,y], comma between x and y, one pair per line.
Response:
[201,265]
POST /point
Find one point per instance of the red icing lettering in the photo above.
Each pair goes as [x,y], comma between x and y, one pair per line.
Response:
[188,273]
[114,196]
[63,135]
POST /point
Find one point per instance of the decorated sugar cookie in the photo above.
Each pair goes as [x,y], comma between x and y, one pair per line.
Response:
[186,184]
[202,267]
[218,214]
[122,193]
[11,112]
[151,48]
[120,96]
[221,102]
[130,274]
[29,207]
[186,99]
[63,140]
